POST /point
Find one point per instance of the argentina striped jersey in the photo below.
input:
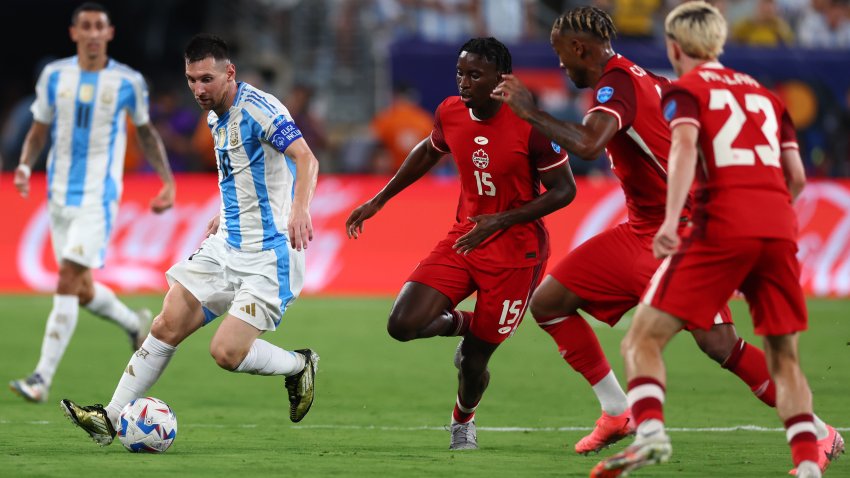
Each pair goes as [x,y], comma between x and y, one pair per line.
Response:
[257,181]
[87,113]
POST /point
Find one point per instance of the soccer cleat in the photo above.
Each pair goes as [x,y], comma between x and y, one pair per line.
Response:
[609,430]
[32,388]
[300,386]
[641,453]
[464,436]
[145,320]
[92,419]
[829,450]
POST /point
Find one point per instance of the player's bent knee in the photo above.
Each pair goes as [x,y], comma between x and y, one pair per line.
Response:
[167,329]
[400,330]
[227,357]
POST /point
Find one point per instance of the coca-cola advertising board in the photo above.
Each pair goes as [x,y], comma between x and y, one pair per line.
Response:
[145,244]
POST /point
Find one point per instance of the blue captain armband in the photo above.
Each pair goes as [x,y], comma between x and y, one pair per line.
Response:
[285,133]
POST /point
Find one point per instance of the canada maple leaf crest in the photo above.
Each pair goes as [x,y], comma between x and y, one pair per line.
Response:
[480,159]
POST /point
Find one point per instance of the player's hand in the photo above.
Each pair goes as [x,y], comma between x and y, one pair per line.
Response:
[300,228]
[485,226]
[164,199]
[354,223]
[212,226]
[666,241]
[22,180]
[512,92]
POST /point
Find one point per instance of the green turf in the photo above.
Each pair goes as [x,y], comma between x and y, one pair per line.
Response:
[381,404]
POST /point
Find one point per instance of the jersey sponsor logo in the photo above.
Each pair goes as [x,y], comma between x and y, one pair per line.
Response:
[670,110]
[234,134]
[604,94]
[481,140]
[480,159]
[86,93]
[556,147]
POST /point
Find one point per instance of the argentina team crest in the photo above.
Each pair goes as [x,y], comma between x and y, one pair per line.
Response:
[480,159]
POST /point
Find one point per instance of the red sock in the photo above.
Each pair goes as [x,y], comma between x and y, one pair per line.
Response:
[578,345]
[463,413]
[800,431]
[460,323]
[646,399]
[748,363]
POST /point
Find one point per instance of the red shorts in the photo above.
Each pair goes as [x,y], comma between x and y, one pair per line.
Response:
[503,293]
[610,272]
[693,283]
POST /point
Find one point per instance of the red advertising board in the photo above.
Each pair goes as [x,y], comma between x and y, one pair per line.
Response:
[144,244]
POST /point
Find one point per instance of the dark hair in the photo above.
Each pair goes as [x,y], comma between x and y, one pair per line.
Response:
[204,45]
[90,7]
[590,20]
[492,50]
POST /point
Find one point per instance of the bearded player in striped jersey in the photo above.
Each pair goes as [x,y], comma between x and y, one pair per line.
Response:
[251,267]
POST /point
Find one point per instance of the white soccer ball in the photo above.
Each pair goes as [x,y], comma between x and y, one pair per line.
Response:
[147,425]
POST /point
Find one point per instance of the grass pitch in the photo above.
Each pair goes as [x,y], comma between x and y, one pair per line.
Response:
[381,406]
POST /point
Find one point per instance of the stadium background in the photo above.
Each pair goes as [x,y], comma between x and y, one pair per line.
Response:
[382,405]
[340,64]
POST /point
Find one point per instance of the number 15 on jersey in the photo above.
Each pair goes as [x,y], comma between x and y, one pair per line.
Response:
[485,186]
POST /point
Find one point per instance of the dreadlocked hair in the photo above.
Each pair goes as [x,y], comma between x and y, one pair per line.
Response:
[590,20]
[492,50]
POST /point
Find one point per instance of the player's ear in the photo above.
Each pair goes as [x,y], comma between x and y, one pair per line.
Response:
[231,71]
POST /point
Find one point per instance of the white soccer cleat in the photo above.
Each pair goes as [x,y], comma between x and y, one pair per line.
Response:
[643,452]
[464,436]
[32,388]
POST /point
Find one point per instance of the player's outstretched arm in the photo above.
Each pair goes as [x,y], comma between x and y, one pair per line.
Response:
[586,140]
[306,174]
[154,150]
[560,191]
[33,144]
[421,159]
[682,168]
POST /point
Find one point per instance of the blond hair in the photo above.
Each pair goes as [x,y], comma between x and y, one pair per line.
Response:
[699,28]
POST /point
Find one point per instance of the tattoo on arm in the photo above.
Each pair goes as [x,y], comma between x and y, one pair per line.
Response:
[154,150]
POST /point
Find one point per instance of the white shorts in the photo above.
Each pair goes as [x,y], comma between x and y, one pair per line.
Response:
[255,287]
[81,234]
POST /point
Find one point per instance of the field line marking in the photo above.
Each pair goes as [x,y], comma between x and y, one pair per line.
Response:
[745,428]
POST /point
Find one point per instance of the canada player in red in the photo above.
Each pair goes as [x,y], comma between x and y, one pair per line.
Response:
[498,246]
[607,274]
[740,138]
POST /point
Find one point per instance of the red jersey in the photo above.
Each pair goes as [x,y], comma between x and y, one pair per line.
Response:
[499,160]
[638,151]
[741,189]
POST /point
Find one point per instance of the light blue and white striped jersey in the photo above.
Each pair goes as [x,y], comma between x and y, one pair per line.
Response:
[257,181]
[87,112]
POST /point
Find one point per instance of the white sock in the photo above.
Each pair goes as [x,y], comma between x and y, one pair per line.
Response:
[820,428]
[611,396]
[57,333]
[267,359]
[106,305]
[144,369]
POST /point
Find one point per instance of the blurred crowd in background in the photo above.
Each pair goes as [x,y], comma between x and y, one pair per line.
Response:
[330,62]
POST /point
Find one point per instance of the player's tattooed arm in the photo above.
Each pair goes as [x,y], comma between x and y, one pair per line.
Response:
[586,140]
[560,191]
[154,151]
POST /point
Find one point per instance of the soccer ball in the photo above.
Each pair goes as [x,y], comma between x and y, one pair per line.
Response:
[147,425]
